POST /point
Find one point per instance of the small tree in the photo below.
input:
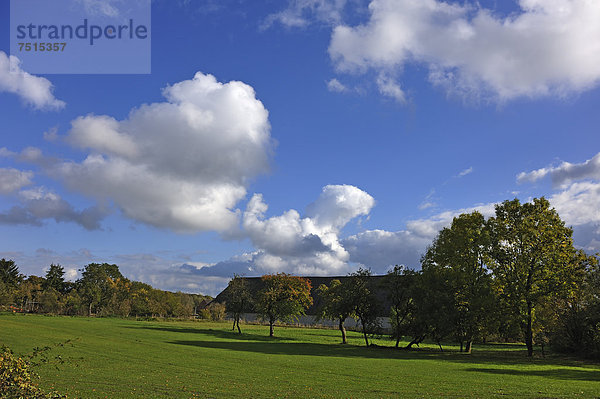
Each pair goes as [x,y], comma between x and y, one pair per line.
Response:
[238,301]
[283,297]
[337,304]
[365,306]
[398,284]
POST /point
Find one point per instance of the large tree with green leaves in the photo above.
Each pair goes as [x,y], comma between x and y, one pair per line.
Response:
[336,303]
[238,300]
[97,282]
[283,297]
[460,253]
[532,258]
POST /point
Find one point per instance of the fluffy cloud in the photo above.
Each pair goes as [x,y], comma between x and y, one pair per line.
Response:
[39,205]
[12,180]
[578,204]
[182,164]
[380,249]
[578,197]
[310,244]
[565,173]
[548,48]
[34,90]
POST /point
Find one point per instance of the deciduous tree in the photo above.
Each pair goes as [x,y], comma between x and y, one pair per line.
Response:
[532,258]
[283,297]
[399,283]
[336,304]
[238,301]
[96,283]
[460,254]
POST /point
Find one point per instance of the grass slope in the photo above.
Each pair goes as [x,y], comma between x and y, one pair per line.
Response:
[114,358]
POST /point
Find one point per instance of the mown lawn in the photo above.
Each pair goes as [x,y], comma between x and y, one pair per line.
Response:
[115,358]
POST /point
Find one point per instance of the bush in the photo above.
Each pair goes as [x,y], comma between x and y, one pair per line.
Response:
[217,311]
[214,311]
[16,378]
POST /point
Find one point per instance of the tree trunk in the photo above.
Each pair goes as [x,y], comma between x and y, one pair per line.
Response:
[365,333]
[233,327]
[468,346]
[90,310]
[529,331]
[461,346]
[397,339]
[343,330]
[440,345]
[238,325]
[271,332]
[415,341]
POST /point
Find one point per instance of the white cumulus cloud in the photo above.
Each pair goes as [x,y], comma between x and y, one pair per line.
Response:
[309,244]
[547,48]
[182,164]
[33,90]
[12,180]
[565,173]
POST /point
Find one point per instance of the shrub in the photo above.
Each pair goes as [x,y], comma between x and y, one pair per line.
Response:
[16,378]
[217,311]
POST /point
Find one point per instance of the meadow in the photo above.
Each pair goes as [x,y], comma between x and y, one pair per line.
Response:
[120,358]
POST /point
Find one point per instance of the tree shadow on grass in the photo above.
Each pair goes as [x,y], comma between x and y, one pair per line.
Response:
[557,373]
[288,348]
[517,358]
[217,333]
[499,354]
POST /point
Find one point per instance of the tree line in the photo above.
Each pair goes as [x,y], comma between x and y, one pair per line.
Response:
[515,276]
[102,290]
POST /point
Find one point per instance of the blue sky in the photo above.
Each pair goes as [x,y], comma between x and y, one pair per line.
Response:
[307,136]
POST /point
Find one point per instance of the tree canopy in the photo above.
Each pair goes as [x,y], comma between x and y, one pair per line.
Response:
[283,297]
[532,257]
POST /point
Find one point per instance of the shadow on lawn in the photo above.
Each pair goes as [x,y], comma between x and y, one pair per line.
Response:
[557,374]
[494,354]
[582,373]
[289,348]
[222,334]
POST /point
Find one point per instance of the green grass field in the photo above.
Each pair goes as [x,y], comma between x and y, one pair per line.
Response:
[115,358]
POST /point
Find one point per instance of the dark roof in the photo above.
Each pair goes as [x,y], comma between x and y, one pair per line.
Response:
[255,284]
